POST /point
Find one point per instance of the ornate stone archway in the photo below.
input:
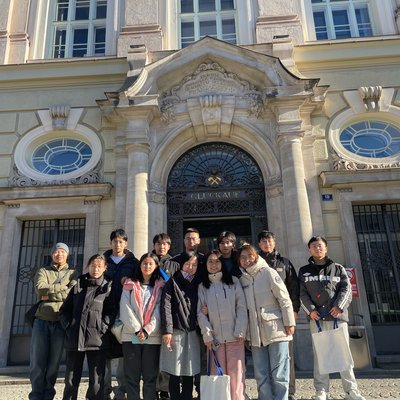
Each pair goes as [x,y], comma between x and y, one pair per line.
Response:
[215,180]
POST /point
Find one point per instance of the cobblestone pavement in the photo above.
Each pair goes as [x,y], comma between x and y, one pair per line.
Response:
[372,388]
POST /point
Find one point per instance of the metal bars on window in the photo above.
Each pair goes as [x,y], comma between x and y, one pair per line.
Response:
[38,237]
[378,234]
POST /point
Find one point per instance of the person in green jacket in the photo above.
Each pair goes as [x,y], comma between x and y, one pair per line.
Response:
[52,284]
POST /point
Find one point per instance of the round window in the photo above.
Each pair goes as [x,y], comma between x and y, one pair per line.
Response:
[373,139]
[61,156]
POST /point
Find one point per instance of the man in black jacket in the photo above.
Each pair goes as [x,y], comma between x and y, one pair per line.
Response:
[325,294]
[121,263]
[287,272]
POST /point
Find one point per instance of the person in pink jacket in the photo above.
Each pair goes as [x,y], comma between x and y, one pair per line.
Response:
[141,334]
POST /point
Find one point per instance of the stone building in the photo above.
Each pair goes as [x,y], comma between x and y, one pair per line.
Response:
[220,114]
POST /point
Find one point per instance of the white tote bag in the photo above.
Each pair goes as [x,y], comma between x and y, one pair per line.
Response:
[215,387]
[332,349]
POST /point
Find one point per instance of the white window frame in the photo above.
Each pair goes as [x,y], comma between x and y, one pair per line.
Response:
[196,17]
[350,7]
[41,30]
[381,18]
[246,17]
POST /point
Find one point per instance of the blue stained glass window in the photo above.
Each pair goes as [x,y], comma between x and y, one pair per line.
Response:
[61,156]
[372,139]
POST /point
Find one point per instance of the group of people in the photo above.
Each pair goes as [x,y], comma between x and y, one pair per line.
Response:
[177,313]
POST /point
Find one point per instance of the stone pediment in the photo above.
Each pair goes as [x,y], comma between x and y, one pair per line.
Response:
[207,80]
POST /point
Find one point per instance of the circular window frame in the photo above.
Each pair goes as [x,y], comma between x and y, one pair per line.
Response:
[348,118]
[37,137]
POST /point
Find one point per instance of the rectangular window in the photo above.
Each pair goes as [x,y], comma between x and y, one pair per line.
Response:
[341,24]
[320,25]
[38,237]
[363,21]
[79,28]
[341,19]
[215,18]
[208,28]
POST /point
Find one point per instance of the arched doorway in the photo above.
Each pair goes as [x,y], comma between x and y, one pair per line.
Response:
[215,187]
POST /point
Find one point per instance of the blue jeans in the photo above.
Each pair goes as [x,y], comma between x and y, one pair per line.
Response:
[271,370]
[47,344]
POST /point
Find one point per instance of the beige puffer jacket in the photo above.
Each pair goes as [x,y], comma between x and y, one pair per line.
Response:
[268,303]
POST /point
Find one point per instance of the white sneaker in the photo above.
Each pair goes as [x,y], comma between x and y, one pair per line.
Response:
[320,395]
[354,395]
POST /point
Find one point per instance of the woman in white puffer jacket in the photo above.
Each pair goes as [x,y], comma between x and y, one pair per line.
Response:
[271,324]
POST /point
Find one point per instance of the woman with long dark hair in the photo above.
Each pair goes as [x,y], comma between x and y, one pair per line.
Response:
[141,335]
[222,317]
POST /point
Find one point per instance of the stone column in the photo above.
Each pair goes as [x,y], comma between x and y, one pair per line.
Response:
[137,206]
[14,43]
[121,162]
[314,149]
[296,202]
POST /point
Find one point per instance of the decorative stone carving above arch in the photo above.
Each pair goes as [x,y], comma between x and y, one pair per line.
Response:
[213,90]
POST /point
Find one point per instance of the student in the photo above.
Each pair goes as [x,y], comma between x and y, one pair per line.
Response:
[222,317]
[87,316]
[52,284]
[271,324]
[287,272]
[324,300]
[191,242]
[226,242]
[121,265]
[180,352]
[161,247]
[141,334]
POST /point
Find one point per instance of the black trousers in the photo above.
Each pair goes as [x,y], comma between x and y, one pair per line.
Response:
[175,392]
[74,363]
[141,361]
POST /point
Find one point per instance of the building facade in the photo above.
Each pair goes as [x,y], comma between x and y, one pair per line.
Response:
[221,114]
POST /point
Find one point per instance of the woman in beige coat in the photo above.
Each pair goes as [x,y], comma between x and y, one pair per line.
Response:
[271,324]
[222,317]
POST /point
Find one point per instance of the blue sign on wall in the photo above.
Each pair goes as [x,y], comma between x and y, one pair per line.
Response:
[327,197]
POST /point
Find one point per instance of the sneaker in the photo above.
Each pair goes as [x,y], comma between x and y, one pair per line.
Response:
[320,395]
[354,395]
[164,395]
[292,397]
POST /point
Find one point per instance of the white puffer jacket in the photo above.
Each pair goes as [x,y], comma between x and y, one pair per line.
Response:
[227,312]
[268,303]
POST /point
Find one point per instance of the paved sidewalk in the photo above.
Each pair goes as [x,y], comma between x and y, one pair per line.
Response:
[374,384]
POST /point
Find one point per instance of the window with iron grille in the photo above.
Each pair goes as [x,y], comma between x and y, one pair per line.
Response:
[199,18]
[340,19]
[38,238]
[79,28]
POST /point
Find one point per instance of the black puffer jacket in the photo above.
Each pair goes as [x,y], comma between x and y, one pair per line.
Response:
[319,292]
[287,272]
[179,304]
[88,314]
[116,272]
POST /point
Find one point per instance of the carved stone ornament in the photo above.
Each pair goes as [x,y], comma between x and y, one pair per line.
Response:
[370,96]
[157,193]
[206,82]
[59,115]
[342,164]
[19,180]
